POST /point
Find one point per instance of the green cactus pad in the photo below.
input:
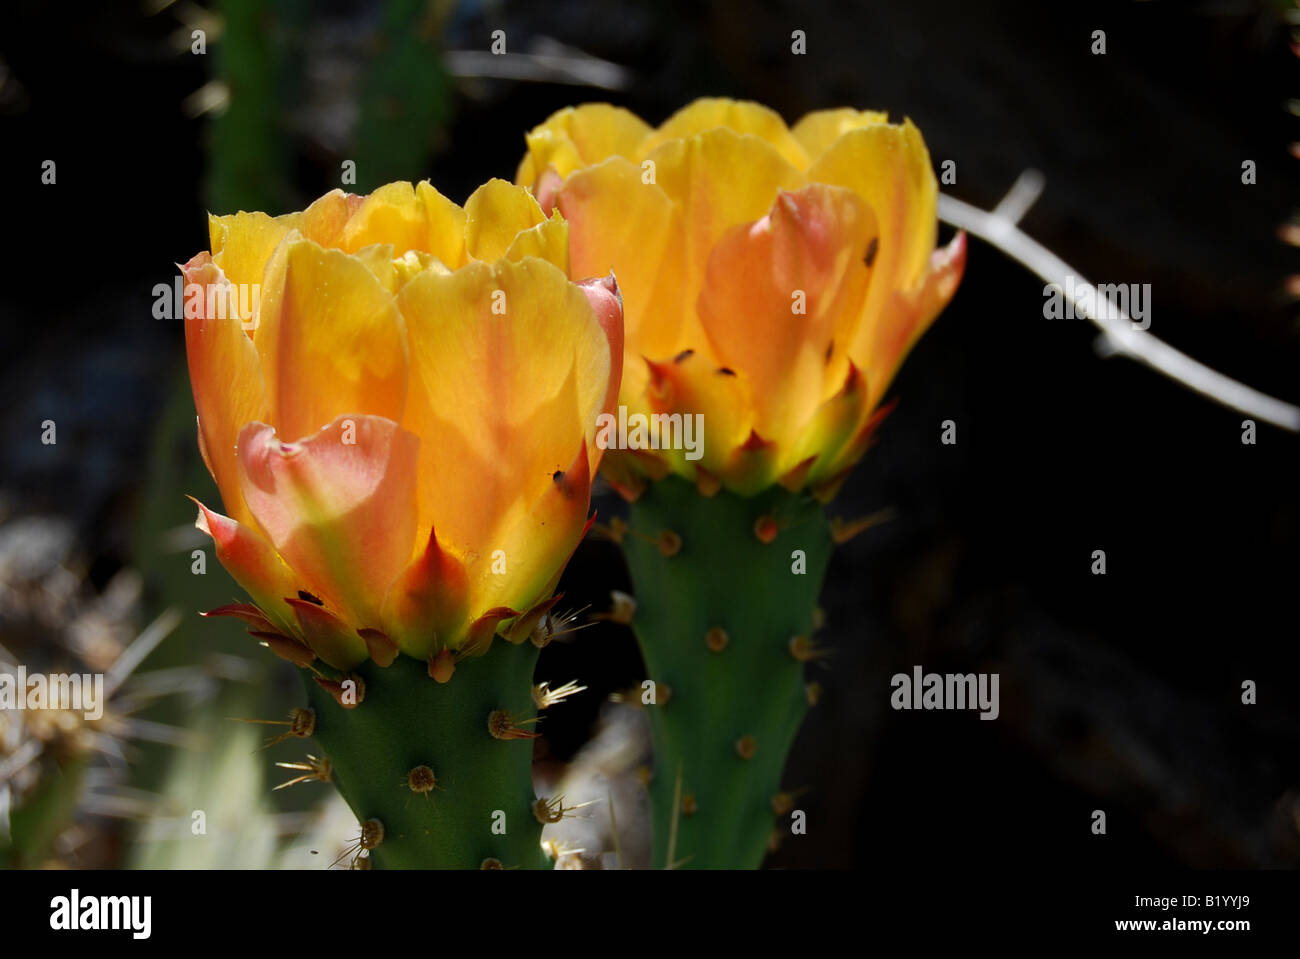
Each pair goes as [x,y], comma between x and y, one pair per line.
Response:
[407,720]
[722,576]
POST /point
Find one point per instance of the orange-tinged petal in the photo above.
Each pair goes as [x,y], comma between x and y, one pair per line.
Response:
[339,506]
[251,561]
[509,367]
[718,179]
[909,314]
[618,222]
[331,340]
[780,297]
[325,220]
[816,131]
[739,116]
[889,167]
[226,377]
[427,606]
[495,214]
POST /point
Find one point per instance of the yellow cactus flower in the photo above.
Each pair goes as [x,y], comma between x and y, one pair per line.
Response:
[774,278]
[399,419]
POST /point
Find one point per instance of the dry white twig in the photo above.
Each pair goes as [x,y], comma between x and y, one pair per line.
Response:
[1118,335]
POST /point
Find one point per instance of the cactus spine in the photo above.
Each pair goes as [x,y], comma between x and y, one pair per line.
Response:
[724,618]
[417,756]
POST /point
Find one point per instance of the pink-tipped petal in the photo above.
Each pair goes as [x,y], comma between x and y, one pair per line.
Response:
[339,506]
[251,560]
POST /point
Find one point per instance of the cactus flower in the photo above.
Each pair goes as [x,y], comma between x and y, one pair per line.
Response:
[401,423]
[775,277]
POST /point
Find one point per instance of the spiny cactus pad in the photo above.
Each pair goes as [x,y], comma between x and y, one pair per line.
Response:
[725,621]
[417,756]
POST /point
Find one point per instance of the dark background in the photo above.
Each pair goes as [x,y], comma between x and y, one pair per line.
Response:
[1119,692]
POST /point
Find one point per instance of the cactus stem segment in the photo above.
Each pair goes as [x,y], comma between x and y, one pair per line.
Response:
[745,577]
[427,737]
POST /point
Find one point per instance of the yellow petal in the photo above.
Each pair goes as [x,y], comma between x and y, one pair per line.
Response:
[392,214]
[378,259]
[816,131]
[446,223]
[243,242]
[691,384]
[331,341]
[410,218]
[542,539]
[739,116]
[580,136]
[495,214]
[547,241]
